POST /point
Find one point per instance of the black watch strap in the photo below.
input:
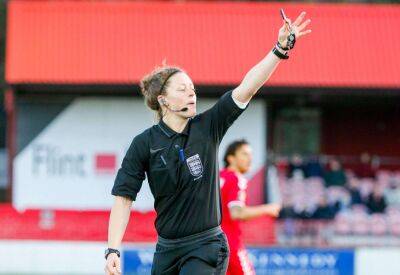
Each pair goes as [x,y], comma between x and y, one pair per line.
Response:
[111,250]
[279,45]
[279,54]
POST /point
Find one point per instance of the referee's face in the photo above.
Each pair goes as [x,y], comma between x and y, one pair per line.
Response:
[242,158]
[181,94]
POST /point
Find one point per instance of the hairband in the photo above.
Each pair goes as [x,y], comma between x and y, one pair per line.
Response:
[162,86]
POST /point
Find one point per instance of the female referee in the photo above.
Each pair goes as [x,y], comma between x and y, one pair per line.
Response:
[179,155]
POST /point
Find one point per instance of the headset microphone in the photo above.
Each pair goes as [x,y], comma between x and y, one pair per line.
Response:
[177,111]
[163,102]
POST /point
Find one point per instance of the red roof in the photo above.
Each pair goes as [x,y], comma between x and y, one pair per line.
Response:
[85,42]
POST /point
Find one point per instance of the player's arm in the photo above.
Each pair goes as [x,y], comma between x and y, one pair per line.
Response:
[243,212]
[261,72]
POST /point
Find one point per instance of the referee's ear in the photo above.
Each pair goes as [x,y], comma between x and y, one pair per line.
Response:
[161,100]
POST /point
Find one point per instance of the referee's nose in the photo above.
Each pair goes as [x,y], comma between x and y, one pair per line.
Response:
[192,92]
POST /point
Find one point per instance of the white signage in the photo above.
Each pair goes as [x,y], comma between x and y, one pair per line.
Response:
[72,163]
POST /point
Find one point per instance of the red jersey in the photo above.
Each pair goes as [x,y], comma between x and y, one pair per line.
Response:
[233,192]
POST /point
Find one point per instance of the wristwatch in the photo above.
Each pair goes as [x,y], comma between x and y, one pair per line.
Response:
[111,250]
[279,54]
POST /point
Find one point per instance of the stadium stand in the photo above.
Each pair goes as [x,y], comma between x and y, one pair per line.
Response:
[362,209]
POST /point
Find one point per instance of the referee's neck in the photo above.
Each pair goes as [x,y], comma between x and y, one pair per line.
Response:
[176,123]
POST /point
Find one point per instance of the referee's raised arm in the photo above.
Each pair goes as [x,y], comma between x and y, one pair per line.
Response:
[261,72]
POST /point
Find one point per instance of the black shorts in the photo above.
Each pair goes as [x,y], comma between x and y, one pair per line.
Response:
[205,253]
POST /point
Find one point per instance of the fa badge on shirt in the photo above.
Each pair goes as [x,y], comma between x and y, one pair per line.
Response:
[195,166]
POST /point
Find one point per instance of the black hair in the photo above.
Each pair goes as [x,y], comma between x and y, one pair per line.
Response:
[232,149]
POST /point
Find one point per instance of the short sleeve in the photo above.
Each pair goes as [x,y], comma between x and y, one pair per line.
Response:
[233,195]
[131,175]
[223,114]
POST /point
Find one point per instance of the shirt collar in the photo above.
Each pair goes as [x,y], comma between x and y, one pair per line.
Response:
[169,132]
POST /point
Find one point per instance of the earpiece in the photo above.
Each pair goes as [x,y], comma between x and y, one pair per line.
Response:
[161,101]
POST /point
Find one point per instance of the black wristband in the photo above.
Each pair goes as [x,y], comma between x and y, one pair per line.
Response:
[279,45]
[279,54]
[111,250]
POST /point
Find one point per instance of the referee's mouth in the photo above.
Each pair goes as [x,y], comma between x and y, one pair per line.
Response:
[191,104]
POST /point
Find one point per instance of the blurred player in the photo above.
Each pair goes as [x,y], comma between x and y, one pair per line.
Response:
[237,160]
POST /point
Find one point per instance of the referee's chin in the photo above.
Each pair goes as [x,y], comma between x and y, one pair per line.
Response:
[189,113]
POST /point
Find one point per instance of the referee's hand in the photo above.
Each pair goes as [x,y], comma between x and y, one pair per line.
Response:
[297,27]
[113,265]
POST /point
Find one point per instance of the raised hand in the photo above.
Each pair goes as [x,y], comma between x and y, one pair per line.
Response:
[297,28]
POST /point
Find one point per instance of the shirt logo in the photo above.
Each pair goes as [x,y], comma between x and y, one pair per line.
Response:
[153,151]
[195,165]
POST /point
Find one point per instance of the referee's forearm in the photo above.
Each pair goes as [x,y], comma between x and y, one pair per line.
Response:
[119,218]
[256,77]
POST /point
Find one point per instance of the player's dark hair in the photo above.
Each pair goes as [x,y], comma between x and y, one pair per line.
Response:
[232,149]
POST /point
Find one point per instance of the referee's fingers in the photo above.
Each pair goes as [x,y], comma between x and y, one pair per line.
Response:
[118,266]
[110,269]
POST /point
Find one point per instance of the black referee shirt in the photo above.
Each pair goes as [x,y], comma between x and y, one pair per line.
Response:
[182,170]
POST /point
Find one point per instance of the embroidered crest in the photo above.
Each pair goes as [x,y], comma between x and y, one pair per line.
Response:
[195,165]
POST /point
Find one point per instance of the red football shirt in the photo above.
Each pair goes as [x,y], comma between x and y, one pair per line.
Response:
[233,192]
